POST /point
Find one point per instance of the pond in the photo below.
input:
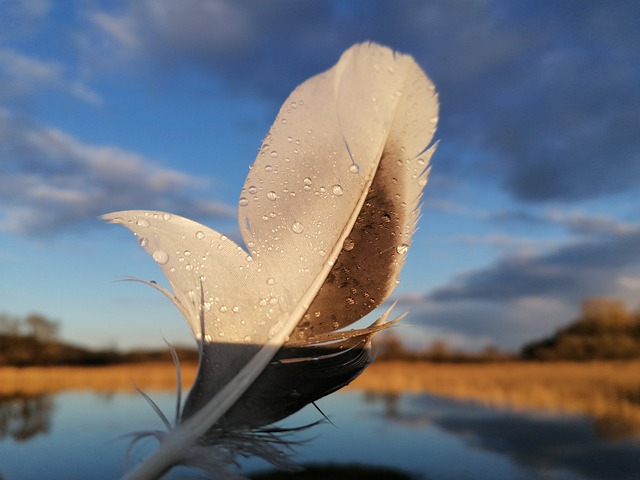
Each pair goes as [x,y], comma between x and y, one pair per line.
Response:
[78,435]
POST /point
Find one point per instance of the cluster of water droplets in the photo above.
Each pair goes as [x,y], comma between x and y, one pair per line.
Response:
[220,316]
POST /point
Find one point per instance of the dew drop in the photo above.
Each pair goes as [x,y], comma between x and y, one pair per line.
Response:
[274,154]
[272,195]
[188,267]
[235,309]
[243,201]
[316,313]
[143,222]
[271,281]
[307,181]
[322,253]
[247,338]
[166,216]
[262,302]
[269,168]
[223,308]
[354,168]
[348,245]
[350,301]
[297,227]
[143,242]
[402,248]
[199,235]
[160,256]
[337,190]
[187,253]
[386,218]
[421,161]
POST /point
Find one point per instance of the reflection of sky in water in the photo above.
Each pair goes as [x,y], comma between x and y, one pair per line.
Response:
[438,438]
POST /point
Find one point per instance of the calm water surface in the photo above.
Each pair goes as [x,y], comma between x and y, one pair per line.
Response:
[76,435]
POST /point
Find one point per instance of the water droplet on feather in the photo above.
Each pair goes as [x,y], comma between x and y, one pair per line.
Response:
[160,256]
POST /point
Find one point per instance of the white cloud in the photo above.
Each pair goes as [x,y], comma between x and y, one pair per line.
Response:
[21,76]
[50,180]
[117,28]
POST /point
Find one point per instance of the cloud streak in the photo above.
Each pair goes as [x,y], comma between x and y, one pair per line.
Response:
[50,180]
[22,76]
[525,296]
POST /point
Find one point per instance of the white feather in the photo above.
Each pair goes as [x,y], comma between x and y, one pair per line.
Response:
[326,213]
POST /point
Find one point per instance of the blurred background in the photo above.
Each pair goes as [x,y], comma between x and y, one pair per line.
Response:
[528,246]
[532,205]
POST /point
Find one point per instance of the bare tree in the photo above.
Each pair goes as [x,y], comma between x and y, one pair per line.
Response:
[42,329]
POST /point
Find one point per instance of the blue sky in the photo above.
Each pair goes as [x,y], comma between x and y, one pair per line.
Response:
[532,204]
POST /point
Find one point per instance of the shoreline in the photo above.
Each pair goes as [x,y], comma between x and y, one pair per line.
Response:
[599,389]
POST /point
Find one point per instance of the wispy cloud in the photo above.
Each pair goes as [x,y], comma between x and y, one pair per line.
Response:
[22,75]
[527,295]
[50,180]
[575,222]
[568,273]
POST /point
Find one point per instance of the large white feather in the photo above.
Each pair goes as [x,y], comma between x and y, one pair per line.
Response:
[326,213]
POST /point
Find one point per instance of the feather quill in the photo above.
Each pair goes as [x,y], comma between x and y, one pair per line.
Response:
[326,214]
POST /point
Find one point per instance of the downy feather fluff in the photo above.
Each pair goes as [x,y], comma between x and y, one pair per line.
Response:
[326,214]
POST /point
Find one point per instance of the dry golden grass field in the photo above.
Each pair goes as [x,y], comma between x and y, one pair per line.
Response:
[604,390]
[607,391]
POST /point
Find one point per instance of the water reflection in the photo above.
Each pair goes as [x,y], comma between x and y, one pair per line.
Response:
[548,444]
[73,435]
[23,417]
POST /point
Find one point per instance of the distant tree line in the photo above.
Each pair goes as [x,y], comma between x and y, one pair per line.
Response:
[390,347]
[605,330]
[33,325]
[33,340]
